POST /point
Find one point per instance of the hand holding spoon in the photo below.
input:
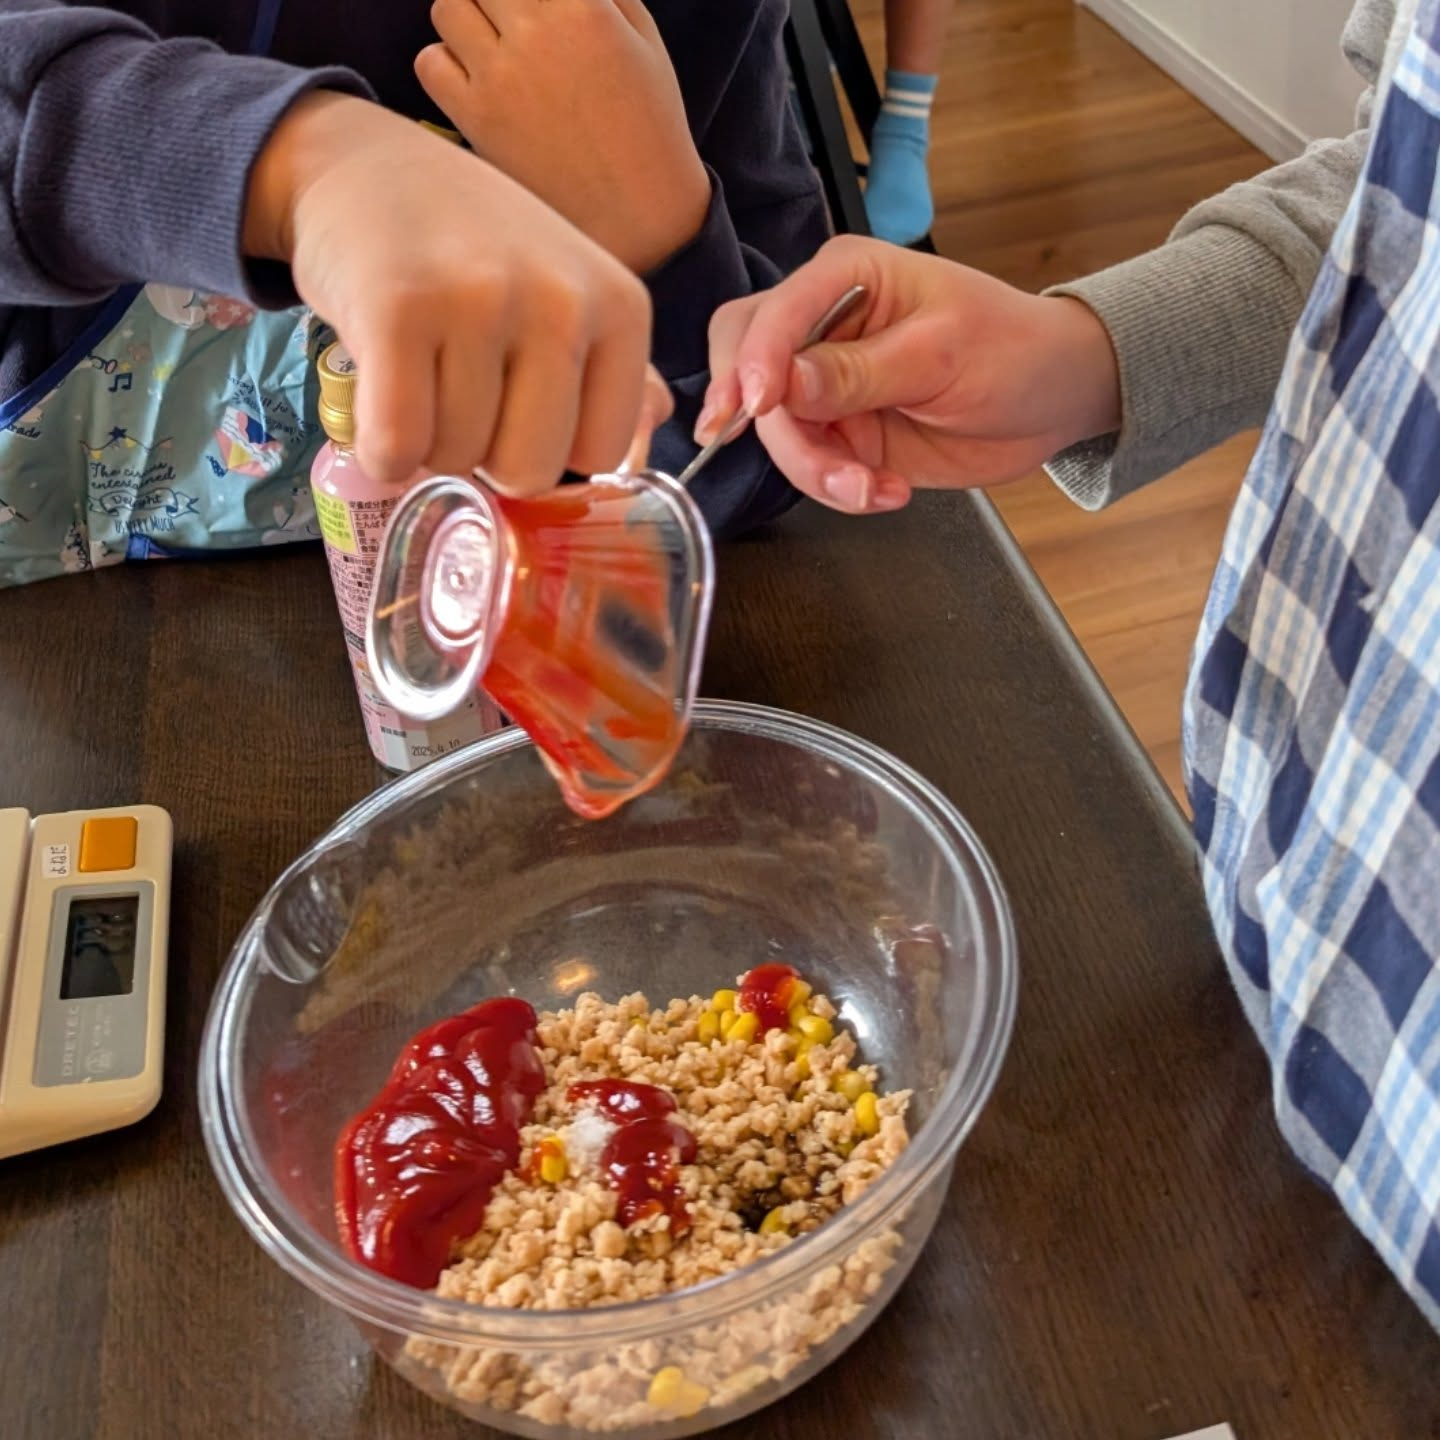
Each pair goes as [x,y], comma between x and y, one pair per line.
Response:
[737,423]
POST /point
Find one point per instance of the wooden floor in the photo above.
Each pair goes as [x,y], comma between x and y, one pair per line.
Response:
[1059,150]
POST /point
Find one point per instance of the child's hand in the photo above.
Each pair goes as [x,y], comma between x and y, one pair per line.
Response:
[487,330]
[577,100]
[955,380]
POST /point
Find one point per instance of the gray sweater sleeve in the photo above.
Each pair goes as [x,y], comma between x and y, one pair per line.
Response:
[126,158]
[1201,325]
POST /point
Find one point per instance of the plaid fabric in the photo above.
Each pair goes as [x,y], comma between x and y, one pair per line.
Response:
[1312,714]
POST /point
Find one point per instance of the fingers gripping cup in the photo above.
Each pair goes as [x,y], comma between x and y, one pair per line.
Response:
[582,613]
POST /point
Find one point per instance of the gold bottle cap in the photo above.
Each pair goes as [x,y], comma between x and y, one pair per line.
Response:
[453,136]
[338,376]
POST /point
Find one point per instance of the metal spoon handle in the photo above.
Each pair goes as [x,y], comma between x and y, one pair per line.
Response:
[736,424]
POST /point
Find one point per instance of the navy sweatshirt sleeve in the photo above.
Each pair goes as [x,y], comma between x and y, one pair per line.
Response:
[766,217]
[126,157]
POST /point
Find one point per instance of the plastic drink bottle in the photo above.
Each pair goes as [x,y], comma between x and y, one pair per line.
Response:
[353,511]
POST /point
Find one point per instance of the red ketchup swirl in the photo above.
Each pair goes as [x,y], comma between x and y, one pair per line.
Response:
[768,992]
[642,1158]
[414,1171]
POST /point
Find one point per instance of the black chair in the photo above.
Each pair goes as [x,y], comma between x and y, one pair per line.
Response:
[818,32]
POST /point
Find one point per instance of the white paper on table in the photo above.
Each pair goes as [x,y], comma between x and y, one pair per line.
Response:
[1214,1432]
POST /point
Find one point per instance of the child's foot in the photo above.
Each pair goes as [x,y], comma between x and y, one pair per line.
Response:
[897,188]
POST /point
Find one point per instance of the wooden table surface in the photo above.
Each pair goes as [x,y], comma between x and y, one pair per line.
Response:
[1128,1251]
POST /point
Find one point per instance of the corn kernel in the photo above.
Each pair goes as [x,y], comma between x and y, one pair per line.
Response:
[727,1022]
[867,1117]
[724,1000]
[671,1392]
[775,1222]
[552,1162]
[851,1084]
[366,929]
[745,1028]
[798,993]
[816,1028]
[709,1031]
[797,1013]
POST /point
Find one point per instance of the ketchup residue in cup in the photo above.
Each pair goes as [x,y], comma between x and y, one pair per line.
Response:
[585,659]
[642,1158]
[768,991]
[414,1171]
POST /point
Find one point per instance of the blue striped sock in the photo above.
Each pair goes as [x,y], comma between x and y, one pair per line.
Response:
[897,190]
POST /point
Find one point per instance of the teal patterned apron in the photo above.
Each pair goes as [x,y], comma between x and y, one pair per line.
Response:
[178,422]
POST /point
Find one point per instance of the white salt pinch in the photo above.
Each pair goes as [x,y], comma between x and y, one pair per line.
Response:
[587,1136]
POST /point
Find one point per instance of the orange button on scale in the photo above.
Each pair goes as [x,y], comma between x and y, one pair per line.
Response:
[107,842]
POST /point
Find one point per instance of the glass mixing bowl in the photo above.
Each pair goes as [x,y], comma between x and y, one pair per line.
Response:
[773,838]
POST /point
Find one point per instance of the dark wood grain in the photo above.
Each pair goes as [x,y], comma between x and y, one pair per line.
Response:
[1128,1251]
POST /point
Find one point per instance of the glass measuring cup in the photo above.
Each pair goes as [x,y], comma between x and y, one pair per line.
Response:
[582,613]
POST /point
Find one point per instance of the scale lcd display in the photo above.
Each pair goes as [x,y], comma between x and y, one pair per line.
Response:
[100,940]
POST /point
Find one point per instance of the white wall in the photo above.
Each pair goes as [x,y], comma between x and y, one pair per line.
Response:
[1272,68]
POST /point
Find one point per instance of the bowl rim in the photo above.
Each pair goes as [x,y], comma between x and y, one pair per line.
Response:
[370,1297]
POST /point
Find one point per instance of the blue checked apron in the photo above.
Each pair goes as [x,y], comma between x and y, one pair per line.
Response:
[1312,731]
[178,422]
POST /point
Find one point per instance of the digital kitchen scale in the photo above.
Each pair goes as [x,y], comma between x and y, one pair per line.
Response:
[84,912]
